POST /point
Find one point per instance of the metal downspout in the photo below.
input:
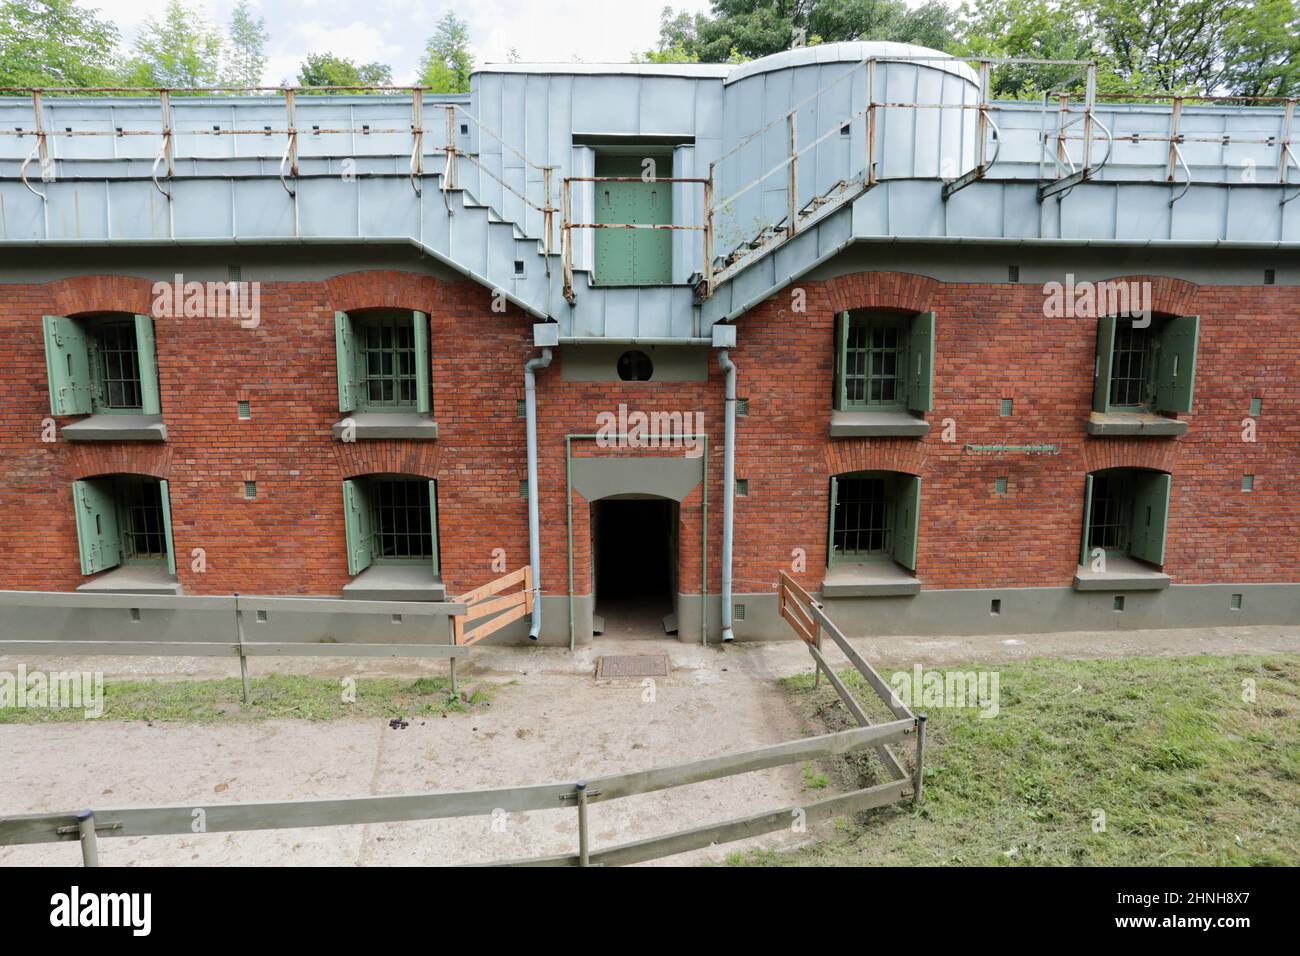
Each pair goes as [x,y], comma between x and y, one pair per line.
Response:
[728,491]
[534,523]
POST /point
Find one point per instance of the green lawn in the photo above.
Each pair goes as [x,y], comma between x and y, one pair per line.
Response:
[1185,770]
[308,698]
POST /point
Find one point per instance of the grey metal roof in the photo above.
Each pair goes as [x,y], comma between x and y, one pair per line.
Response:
[852,51]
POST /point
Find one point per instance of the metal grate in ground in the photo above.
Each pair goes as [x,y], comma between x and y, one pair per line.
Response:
[633,665]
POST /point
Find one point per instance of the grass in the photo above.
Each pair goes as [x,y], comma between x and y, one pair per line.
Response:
[307,698]
[1184,769]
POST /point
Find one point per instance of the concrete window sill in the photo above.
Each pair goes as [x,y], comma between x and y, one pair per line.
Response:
[133,579]
[1122,574]
[371,425]
[1134,425]
[877,425]
[117,428]
[875,579]
[396,582]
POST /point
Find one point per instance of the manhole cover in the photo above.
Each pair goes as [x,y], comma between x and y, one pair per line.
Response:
[633,665]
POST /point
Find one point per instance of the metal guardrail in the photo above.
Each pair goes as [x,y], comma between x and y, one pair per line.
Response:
[166,155]
[89,825]
[239,646]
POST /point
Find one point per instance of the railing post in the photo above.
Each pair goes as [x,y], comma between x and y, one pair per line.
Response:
[982,116]
[792,186]
[548,215]
[871,122]
[708,233]
[291,115]
[169,148]
[42,144]
[566,238]
[918,775]
[1090,103]
[89,841]
[417,139]
[1284,144]
[583,844]
[1062,154]
[449,178]
[243,660]
[1175,118]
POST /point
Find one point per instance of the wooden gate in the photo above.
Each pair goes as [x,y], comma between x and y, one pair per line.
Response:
[487,601]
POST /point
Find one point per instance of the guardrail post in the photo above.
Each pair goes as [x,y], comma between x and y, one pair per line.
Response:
[1089,104]
[871,122]
[1175,117]
[548,216]
[89,842]
[583,854]
[708,234]
[918,775]
[566,237]
[792,187]
[243,660]
[449,179]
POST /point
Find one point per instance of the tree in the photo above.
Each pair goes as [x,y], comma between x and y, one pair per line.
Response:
[55,43]
[741,29]
[1262,50]
[326,69]
[447,62]
[182,49]
[246,50]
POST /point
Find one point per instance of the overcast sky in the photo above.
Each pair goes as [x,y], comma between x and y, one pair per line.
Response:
[394,31]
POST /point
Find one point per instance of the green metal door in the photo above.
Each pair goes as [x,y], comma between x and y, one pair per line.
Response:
[634,256]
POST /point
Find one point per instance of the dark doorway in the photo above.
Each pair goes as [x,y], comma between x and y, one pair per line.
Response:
[634,555]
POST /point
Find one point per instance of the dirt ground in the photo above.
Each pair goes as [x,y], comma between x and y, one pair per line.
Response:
[552,722]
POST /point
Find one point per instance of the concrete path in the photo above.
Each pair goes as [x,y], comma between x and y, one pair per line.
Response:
[551,721]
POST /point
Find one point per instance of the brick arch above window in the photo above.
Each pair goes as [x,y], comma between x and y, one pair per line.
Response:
[882,290]
[382,289]
[875,454]
[118,458]
[1153,453]
[356,459]
[100,293]
[1169,296]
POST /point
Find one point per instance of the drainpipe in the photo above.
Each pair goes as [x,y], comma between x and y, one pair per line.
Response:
[534,531]
[728,491]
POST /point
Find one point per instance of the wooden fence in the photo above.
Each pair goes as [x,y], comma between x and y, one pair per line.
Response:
[237,645]
[88,826]
[487,601]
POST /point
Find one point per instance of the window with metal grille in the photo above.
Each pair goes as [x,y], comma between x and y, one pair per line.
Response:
[874,357]
[401,519]
[862,517]
[1131,366]
[386,362]
[1111,514]
[117,365]
[140,519]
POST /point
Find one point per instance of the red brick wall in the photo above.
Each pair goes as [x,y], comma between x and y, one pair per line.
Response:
[992,342]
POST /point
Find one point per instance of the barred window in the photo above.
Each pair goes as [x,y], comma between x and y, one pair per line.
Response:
[117,365]
[401,518]
[1131,366]
[873,361]
[387,362]
[862,524]
[1111,518]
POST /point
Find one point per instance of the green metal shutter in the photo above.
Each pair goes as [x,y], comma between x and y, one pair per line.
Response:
[1176,369]
[67,366]
[633,256]
[433,522]
[146,349]
[356,523]
[1105,358]
[841,356]
[166,497]
[1084,556]
[830,529]
[97,536]
[920,362]
[1150,516]
[345,358]
[423,398]
[907,520]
